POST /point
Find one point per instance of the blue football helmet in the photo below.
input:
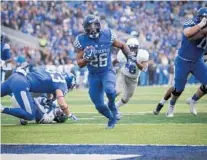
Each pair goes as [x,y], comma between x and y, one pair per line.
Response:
[202,12]
[92,26]
[70,80]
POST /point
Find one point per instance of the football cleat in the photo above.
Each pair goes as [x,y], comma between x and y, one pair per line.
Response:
[192,105]
[2,108]
[111,123]
[118,116]
[158,109]
[170,112]
[23,122]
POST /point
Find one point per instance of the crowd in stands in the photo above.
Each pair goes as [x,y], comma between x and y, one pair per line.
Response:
[158,25]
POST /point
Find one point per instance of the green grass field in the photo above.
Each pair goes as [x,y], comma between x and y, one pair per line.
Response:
[137,126]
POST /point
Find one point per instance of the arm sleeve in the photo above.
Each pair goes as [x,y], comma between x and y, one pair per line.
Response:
[113,36]
[189,23]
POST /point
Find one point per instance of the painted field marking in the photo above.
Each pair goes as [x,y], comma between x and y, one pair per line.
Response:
[65,156]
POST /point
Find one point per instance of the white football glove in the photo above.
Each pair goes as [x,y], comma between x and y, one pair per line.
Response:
[203,22]
[72,117]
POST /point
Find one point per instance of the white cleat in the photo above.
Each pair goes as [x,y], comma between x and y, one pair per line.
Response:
[2,108]
[170,112]
[192,105]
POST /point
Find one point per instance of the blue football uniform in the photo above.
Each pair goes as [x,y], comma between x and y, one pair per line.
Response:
[5,51]
[101,76]
[41,81]
[190,60]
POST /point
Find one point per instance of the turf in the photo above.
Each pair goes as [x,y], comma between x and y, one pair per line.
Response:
[137,126]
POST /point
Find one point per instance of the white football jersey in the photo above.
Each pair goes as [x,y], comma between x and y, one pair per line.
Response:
[142,56]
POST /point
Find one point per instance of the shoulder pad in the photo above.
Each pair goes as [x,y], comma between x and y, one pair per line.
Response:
[189,23]
[143,55]
[77,43]
[121,57]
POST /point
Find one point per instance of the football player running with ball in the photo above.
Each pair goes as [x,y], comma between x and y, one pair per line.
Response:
[129,74]
[94,51]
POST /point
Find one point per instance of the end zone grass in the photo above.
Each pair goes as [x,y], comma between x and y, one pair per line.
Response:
[137,126]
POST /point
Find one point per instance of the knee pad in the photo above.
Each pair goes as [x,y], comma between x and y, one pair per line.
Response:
[110,90]
[203,88]
[176,93]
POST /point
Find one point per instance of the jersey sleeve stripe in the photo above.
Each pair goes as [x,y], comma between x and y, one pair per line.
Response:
[77,44]
[113,36]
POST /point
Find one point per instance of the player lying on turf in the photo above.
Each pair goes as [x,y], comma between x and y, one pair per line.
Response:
[93,49]
[190,57]
[22,84]
[48,112]
[128,77]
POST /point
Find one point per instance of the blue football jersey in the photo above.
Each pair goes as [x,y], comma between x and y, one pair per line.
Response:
[5,51]
[46,81]
[192,50]
[102,60]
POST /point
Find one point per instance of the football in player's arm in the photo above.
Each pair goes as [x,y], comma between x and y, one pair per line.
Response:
[93,49]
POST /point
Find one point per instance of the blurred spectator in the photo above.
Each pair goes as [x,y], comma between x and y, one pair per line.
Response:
[157,24]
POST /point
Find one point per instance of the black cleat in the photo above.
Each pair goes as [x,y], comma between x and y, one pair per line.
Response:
[158,109]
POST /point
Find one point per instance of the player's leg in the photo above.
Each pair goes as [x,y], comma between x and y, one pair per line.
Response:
[23,97]
[200,72]
[129,89]
[109,83]
[5,87]
[163,100]
[96,93]
[120,86]
[191,101]
[119,83]
[182,69]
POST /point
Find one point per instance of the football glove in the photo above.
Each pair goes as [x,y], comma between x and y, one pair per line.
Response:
[72,117]
[88,53]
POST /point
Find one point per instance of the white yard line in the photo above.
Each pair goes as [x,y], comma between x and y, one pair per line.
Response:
[64,156]
[112,144]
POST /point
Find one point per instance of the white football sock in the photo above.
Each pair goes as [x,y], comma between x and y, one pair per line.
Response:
[119,103]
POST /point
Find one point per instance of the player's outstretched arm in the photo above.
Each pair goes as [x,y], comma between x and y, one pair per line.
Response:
[61,101]
[121,45]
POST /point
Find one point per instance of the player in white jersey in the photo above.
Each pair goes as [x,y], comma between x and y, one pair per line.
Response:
[129,74]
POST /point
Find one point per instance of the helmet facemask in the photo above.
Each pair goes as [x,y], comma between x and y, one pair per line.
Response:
[92,27]
[134,49]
